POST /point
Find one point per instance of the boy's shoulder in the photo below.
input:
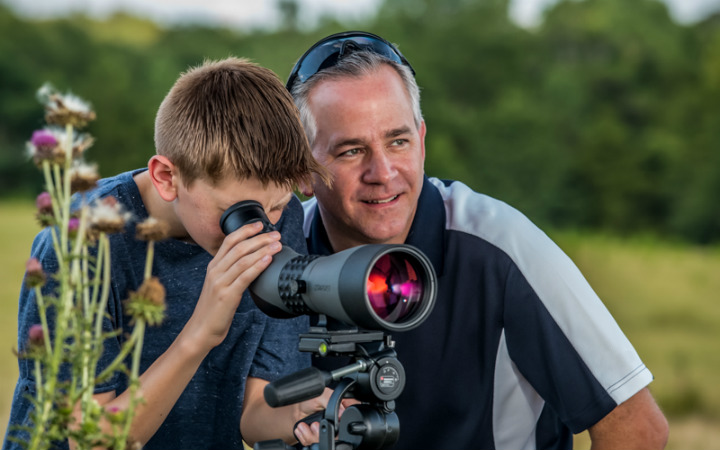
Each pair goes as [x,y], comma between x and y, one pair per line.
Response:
[121,186]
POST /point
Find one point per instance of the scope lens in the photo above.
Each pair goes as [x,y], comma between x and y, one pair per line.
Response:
[393,288]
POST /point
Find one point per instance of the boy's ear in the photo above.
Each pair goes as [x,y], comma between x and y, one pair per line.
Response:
[164,177]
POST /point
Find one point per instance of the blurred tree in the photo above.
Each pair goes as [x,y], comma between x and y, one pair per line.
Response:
[603,116]
[614,71]
[289,11]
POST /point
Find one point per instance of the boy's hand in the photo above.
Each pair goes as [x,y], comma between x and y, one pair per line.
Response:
[243,255]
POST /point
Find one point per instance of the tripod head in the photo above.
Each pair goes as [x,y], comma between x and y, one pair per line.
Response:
[375,377]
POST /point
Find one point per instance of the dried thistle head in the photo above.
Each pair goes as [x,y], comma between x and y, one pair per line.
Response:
[107,215]
[83,177]
[152,229]
[64,109]
[148,302]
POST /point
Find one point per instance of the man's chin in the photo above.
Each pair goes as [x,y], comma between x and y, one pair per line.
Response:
[372,236]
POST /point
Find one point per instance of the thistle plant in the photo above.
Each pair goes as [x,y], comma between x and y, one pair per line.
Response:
[67,343]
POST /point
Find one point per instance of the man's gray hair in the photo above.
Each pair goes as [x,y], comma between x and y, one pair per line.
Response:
[356,64]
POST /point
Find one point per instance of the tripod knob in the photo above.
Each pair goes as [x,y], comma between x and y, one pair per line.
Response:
[387,378]
[368,427]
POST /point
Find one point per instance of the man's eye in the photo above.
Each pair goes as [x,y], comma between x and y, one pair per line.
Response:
[351,152]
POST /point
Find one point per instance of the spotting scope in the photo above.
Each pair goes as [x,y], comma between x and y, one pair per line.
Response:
[374,286]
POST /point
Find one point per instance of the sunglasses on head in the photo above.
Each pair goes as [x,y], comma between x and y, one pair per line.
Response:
[328,51]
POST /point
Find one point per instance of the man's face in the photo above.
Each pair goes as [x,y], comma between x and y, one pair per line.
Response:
[367,138]
[200,206]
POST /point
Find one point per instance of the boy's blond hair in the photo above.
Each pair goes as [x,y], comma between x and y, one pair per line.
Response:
[234,118]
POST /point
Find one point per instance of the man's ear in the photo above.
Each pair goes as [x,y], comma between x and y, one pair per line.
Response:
[422,132]
[306,189]
[164,177]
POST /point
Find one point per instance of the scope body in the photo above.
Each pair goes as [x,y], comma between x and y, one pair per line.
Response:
[374,286]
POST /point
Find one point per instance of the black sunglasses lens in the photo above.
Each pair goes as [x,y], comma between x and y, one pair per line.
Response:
[328,53]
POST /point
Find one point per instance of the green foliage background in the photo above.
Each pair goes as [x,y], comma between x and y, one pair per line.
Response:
[604,117]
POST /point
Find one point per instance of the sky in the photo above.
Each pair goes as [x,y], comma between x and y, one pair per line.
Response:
[255,13]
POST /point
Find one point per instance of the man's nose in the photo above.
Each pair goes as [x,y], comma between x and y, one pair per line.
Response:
[380,168]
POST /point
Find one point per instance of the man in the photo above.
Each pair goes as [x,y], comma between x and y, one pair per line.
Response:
[227,131]
[519,351]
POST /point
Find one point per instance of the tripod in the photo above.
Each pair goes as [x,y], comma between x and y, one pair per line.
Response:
[376,378]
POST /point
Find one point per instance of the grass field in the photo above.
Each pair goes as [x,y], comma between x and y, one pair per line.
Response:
[666,297]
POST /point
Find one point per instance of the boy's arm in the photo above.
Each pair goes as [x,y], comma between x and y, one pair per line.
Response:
[240,259]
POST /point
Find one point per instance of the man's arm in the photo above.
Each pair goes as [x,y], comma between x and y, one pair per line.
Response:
[637,423]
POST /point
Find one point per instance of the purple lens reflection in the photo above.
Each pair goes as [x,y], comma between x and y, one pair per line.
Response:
[393,287]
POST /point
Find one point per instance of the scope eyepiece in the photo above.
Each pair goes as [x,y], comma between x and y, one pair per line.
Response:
[242,213]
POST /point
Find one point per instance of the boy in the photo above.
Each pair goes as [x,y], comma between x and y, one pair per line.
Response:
[227,131]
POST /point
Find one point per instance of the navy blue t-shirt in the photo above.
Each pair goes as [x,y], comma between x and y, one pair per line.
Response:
[207,414]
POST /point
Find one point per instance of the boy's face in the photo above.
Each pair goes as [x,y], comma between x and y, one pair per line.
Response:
[199,207]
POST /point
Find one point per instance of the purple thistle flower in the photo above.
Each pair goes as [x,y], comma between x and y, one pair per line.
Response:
[43,138]
[73,225]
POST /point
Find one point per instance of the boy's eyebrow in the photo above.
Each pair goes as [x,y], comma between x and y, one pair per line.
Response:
[282,203]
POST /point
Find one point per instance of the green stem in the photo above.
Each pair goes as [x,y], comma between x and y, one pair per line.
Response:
[102,266]
[39,431]
[59,189]
[149,259]
[42,310]
[139,334]
[50,186]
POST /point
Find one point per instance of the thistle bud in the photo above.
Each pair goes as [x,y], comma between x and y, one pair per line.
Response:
[152,229]
[73,226]
[148,302]
[34,274]
[116,415]
[36,336]
[44,214]
[43,202]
